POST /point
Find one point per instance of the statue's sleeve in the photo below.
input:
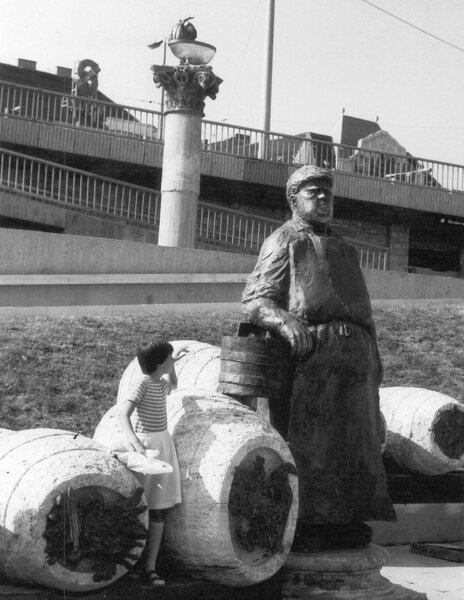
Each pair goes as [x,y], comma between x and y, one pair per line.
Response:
[270,277]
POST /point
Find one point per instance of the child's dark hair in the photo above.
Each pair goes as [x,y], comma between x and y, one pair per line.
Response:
[152,354]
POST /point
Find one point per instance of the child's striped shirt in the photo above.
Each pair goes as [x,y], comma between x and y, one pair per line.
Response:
[149,397]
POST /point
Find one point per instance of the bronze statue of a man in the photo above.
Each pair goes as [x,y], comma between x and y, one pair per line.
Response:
[308,288]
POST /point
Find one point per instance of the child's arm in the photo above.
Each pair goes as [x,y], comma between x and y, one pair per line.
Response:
[171,380]
[133,397]
[127,408]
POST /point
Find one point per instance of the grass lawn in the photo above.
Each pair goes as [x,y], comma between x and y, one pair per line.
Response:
[63,372]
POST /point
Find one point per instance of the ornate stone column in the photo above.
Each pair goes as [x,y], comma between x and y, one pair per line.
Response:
[186,88]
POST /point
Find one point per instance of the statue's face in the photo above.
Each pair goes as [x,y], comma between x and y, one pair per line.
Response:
[314,201]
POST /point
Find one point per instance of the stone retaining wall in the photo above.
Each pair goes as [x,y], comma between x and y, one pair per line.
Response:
[46,269]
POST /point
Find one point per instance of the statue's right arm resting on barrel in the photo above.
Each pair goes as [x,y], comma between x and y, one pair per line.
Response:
[264,298]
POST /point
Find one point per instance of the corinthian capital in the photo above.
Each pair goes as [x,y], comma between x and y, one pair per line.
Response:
[186,86]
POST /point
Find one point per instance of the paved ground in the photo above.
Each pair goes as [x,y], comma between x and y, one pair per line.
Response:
[439,579]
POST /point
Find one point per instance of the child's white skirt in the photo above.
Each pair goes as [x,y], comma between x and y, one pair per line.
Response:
[164,490]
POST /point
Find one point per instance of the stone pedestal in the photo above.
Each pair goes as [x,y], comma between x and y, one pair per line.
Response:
[351,574]
[186,87]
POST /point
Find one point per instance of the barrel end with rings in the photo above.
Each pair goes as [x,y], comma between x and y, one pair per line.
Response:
[253,365]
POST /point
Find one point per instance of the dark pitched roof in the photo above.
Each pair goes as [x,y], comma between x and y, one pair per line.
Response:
[353,129]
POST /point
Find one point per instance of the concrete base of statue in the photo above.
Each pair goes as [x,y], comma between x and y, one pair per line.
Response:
[351,574]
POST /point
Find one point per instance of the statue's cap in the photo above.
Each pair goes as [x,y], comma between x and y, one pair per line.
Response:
[308,172]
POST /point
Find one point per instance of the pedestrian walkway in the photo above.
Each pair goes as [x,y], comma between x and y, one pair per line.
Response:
[439,579]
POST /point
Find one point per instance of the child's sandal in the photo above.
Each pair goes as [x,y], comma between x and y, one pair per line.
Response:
[153,579]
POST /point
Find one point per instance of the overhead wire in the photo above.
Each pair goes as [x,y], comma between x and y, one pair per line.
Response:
[414,26]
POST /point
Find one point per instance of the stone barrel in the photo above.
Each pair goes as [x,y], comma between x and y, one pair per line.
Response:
[38,466]
[412,457]
[383,432]
[428,420]
[5,432]
[213,435]
[198,367]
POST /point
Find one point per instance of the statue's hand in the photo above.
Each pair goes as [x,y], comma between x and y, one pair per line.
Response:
[298,336]
[266,313]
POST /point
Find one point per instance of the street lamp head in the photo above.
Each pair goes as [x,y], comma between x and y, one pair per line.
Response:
[192,52]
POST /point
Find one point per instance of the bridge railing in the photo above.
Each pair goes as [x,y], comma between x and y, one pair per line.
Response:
[371,256]
[225,227]
[217,227]
[56,184]
[296,151]
[74,111]
[133,122]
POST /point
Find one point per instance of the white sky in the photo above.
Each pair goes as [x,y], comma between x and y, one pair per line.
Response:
[328,55]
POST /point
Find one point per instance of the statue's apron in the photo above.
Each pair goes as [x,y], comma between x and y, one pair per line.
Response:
[334,424]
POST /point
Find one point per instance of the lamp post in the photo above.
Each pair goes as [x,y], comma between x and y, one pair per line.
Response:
[186,87]
[267,79]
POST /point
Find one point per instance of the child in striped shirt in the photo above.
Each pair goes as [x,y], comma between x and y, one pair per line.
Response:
[143,419]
